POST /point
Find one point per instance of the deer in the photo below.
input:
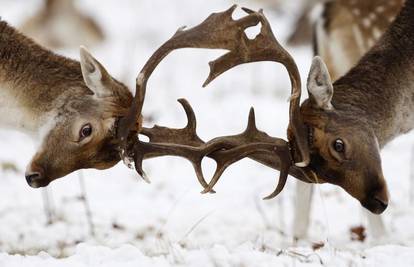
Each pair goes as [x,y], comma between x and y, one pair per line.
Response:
[302,33]
[345,31]
[334,136]
[71,107]
[60,24]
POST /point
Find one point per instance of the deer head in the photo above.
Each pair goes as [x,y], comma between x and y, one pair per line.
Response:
[325,145]
[344,149]
[81,133]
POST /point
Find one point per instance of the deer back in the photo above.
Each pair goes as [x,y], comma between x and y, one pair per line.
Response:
[348,29]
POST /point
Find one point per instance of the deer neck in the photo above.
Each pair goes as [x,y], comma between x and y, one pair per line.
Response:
[380,89]
[33,82]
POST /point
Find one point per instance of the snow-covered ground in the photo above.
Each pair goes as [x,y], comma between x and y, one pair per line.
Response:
[168,222]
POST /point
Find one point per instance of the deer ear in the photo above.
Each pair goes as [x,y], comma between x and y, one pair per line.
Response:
[94,74]
[320,86]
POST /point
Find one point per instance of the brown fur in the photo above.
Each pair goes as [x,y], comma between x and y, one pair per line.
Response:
[372,104]
[349,28]
[380,87]
[51,88]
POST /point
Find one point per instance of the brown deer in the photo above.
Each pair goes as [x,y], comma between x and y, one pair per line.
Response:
[343,34]
[332,137]
[348,29]
[60,24]
[302,32]
[335,136]
[72,107]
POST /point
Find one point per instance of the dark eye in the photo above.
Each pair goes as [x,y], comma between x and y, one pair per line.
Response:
[339,146]
[85,131]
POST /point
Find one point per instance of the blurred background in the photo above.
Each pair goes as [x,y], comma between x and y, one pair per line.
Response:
[169,217]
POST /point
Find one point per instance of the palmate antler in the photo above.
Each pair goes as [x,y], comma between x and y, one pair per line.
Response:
[220,31]
[186,143]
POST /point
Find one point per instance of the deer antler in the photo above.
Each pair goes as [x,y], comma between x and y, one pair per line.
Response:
[186,143]
[219,31]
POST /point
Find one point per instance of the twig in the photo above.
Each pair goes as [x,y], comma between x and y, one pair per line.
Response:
[304,258]
[195,226]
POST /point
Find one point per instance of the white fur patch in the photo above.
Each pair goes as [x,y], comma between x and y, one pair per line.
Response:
[359,38]
[366,22]
[370,42]
[14,116]
[45,129]
[380,9]
[376,33]
[339,55]
[356,12]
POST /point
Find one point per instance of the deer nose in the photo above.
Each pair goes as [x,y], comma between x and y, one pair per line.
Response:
[35,175]
[375,204]
[382,204]
[378,203]
[33,179]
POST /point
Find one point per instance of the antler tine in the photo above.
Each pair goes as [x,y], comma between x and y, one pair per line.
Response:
[256,142]
[249,132]
[265,47]
[220,31]
[185,136]
[225,150]
[213,33]
[284,172]
[227,157]
[251,122]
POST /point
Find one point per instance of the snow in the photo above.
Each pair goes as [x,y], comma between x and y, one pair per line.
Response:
[168,222]
[218,255]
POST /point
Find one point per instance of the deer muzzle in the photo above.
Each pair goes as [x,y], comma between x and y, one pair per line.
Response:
[35,176]
[378,202]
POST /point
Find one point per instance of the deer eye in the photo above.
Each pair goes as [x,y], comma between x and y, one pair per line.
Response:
[85,131]
[339,146]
